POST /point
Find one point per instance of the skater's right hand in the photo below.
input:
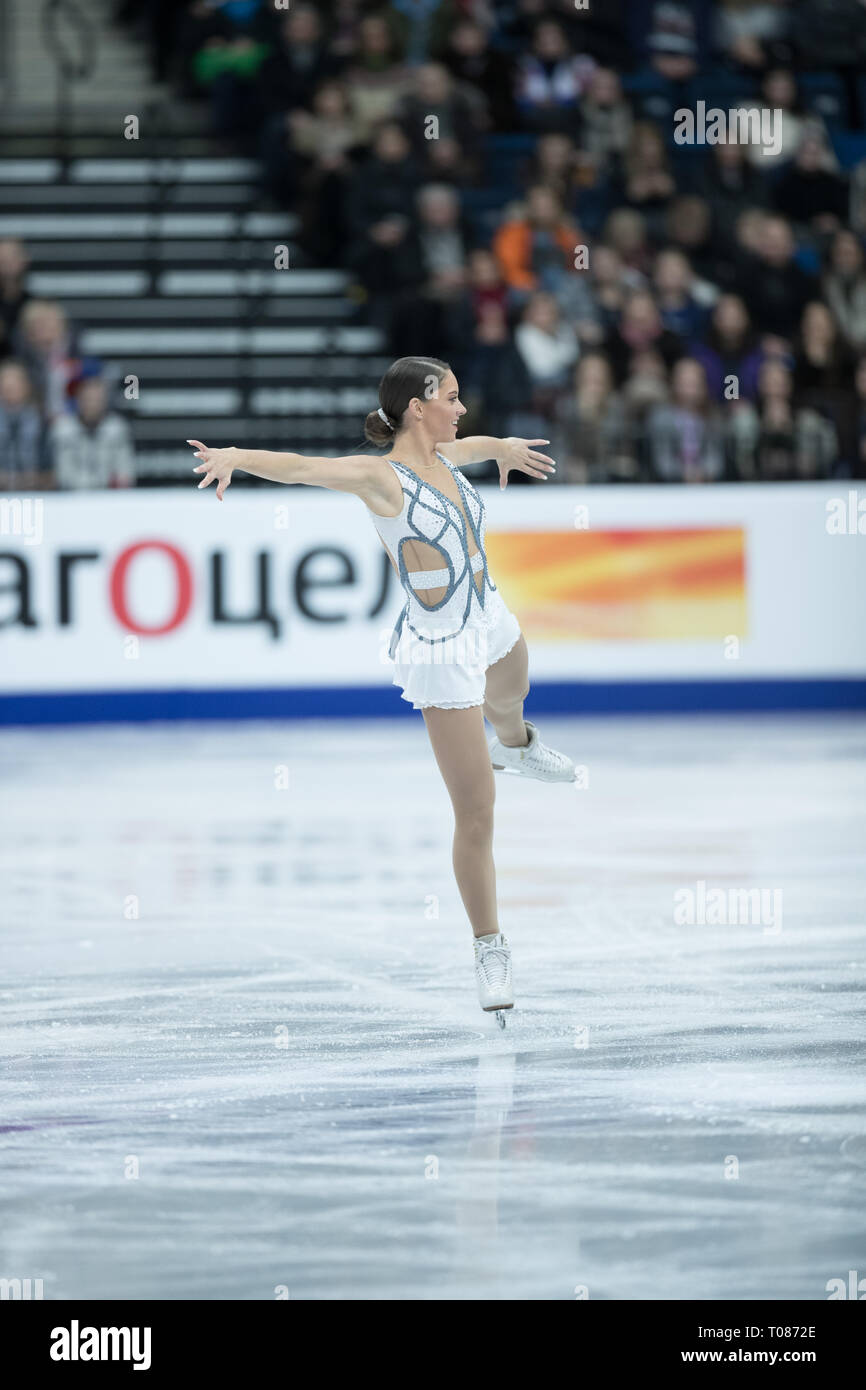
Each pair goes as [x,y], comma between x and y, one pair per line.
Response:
[217,464]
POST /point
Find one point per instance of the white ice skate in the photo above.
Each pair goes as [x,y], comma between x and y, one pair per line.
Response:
[535,759]
[493,974]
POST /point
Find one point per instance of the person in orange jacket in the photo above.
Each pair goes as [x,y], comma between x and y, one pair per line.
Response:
[544,237]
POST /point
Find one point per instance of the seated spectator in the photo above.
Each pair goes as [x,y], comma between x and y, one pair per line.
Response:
[673,40]
[227,65]
[344,27]
[688,225]
[522,17]
[790,121]
[823,371]
[773,285]
[218,31]
[549,348]
[443,238]
[382,245]
[537,250]
[810,192]
[555,164]
[824,362]
[24,462]
[14,265]
[441,314]
[625,231]
[436,96]
[485,283]
[844,286]
[385,183]
[327,134]
[421,25]
[610,284]
[376,75]
[605,123]
[321,144]
[686,438]
[744,250]
[497,380]
[46,345]
[447,163]
[682,312]
[389,268]
[645,387]
[640,328]
[647,182]
[471,60]
[92,448]
[752,36]
[550,80]
[730,349]
[729,183]
[298,63]
[773,442]
[592,439]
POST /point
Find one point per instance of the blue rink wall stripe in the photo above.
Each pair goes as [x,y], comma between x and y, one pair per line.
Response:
[378,702]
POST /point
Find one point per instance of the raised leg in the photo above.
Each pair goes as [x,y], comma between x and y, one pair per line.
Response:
[507,687]
[460,749]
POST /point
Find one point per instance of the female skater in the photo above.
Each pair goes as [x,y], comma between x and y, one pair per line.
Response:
[458,651]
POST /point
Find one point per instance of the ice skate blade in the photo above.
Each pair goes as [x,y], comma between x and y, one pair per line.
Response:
[515,772]
[500,1013]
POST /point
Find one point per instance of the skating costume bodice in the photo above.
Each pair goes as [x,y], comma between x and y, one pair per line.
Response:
[429,516]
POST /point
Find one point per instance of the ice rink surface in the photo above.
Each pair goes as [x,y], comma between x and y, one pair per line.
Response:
[243,1057]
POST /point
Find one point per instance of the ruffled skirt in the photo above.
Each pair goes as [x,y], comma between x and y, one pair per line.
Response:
[451,673]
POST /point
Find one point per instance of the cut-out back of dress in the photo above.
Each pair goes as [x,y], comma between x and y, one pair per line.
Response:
[438,550]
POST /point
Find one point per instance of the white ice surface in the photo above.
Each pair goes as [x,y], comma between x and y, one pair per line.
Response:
[286,1043]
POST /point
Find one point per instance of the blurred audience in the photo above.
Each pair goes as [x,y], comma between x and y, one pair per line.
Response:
[593,441]
[499,181]
[24,460]
[844,286]
[551,79]
[686,437]
[92,448]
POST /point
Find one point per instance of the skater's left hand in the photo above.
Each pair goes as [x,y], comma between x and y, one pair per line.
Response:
[218,464]
[520,454]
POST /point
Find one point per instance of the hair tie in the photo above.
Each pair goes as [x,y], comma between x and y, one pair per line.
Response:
[383,416]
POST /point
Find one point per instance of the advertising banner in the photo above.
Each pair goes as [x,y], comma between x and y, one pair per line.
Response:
[290,590]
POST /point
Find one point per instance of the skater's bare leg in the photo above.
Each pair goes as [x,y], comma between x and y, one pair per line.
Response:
[460,749]
[507,688]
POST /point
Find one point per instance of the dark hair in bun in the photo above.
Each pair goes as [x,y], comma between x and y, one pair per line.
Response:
[406,378]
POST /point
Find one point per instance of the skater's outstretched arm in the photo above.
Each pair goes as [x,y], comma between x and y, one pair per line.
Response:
[354,473]
[509,453]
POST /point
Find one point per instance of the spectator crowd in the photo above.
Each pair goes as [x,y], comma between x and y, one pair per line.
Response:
[57,425]
[502,182]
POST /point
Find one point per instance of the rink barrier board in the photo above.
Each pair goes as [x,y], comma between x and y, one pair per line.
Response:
[162,606]
[372,702]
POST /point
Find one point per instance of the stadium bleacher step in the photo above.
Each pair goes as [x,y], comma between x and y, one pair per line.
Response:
[166,266]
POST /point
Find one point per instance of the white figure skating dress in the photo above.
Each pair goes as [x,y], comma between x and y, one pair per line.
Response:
[441,650]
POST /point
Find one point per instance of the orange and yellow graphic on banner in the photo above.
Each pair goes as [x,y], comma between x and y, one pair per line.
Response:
[633,586]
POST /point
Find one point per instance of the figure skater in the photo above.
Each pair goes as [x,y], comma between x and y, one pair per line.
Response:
[458,651]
